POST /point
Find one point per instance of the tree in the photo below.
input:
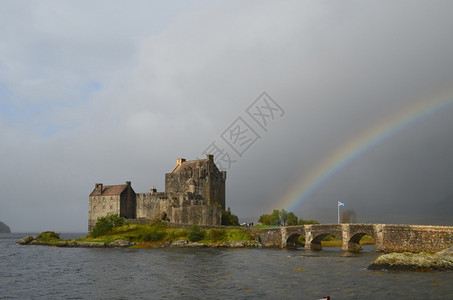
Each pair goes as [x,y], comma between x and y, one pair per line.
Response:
[105,224]
[348,216]
[279,218]
[283,217]
[292,219]
[228,219]
[275,217]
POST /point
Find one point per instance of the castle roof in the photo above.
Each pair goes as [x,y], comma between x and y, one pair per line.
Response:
[108,190]
[191,164]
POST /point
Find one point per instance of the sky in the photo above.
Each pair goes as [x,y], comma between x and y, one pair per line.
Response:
[345,101]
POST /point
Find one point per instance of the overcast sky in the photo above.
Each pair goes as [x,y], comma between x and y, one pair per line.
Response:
[109,91]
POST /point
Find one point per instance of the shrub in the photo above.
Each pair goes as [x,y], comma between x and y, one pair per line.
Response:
[196,234]
[105,224]
[49,235]
[228,219]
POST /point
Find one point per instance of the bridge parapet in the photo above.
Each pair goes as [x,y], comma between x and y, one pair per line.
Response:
[414,238]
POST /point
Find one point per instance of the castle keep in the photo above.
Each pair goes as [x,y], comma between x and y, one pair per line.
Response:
[194,193]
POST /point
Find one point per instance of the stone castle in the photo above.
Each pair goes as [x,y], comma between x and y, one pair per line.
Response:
[194,194]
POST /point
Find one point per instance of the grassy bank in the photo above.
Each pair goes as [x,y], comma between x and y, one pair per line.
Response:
[159,234]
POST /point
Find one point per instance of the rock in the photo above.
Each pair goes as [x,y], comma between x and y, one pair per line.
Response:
[440,261]
[25,241]
[196,245]
[120,243]
[178,243]
[448,251]
[91,244]
[237,244]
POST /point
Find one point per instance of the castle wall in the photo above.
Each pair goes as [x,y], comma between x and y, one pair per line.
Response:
[215,191]
[101,206]
[179,211]
[128,203]
[152,207]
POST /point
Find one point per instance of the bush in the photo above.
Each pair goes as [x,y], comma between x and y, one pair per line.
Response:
[49,235]
[196,234]
[105,224]
[228,219]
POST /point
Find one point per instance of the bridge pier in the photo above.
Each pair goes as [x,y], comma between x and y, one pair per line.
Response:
[313,246]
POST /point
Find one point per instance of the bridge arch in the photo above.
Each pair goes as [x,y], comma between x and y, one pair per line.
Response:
[315,243]
[355,233]
[293,240]
[316,233]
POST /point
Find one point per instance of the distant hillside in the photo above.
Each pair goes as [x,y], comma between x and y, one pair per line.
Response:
[4,228]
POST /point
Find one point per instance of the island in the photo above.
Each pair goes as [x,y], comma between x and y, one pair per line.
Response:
[113,231]
[4,228]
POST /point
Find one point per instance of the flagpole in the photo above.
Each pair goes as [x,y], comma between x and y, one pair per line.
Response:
[338,208]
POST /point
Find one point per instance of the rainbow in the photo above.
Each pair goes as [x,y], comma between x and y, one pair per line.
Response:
[356,147]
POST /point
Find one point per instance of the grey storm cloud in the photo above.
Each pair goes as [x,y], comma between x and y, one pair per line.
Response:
[109,92]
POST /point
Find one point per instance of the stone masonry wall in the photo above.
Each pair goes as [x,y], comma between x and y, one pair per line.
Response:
[156,207]
[100,206]
[415,238]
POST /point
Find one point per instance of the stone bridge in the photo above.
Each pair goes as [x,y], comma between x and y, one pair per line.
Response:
[389,238]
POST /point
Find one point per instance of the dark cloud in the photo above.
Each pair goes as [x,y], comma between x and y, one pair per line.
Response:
[118,95]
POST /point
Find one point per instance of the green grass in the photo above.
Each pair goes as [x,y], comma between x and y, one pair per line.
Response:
[160,233]
[265,226]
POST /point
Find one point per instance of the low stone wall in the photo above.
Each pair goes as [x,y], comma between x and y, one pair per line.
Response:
[268,237]
[415,238]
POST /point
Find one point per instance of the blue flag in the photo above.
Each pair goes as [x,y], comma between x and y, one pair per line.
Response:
[340,203]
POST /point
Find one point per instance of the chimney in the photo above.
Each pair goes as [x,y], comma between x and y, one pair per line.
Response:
[179,161]
[210,157]
[98,185]
[153,190]
[128,183]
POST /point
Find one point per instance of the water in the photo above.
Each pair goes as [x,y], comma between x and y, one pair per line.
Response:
[39,272]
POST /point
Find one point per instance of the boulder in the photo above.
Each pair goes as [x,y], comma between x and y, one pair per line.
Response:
[120,244]
[196,245]
[440,261]
[178,243]
[237,244]
[91,244]
[25,241]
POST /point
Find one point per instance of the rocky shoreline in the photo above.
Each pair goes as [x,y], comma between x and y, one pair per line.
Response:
[420,262]
[36,240]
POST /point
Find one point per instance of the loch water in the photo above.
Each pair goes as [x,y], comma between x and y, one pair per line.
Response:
[40,272]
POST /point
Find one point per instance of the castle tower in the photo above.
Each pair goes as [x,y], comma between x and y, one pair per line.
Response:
[200,177]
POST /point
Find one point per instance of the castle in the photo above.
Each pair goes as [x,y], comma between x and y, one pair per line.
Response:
[194,194]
